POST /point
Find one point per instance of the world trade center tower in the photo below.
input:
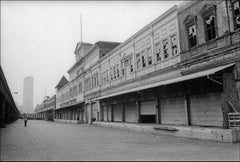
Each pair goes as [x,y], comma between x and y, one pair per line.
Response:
[28,95]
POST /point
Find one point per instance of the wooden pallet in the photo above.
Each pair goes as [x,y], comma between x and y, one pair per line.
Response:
[234,120]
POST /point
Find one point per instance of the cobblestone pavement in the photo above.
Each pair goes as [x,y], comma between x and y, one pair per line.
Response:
[43,140]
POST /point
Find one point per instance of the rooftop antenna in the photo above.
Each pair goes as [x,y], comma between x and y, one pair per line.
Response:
[81,26]
[45,91]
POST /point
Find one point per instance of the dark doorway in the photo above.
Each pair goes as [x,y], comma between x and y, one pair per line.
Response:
[148,118]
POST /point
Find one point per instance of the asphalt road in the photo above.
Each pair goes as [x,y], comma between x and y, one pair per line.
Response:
[43,140]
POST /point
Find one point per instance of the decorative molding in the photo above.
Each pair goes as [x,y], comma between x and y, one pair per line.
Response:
[207,9]
[190,19]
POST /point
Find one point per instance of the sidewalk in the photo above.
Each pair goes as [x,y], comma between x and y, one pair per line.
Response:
[43,140]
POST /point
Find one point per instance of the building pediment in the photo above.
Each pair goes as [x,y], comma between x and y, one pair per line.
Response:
[189,18]
[62,82]
[207,8]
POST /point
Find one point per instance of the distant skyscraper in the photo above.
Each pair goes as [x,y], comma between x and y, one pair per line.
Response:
[28,95]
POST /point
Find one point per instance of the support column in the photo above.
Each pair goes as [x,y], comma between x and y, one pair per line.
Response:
[231,93]
[54,115]
[123,112]
[187,110]
[158,111]
[91,113]
[86,113]
[2,120]
[111,112]
[138,111]
[107,113]
[7,109]
[101,111]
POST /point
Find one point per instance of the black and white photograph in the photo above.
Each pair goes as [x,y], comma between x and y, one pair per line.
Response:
[120,80]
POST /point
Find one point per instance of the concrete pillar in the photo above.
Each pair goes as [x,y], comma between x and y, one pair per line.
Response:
[91,113]
[7,107]
[54,115]
[138,111]
[123,112]
[86,113]
[230,98]
[107,113]
[158,111]
[187,110]
[2,115]
[111,108]
[101,111]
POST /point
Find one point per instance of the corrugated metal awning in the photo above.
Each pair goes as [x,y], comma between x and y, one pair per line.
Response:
[170,81]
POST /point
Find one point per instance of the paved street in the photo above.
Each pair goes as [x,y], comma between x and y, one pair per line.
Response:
[43,140]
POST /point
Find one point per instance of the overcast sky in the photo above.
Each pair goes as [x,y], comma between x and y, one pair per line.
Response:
[38,38]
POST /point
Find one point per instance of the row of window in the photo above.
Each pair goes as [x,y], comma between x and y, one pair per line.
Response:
[71,92]
[210,27]
[143,59]
[114,72]
[163,50]
[127,65]
[91,82]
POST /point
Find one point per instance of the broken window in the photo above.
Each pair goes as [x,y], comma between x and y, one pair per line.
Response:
[138,61]
[165,49]
[158,52]
[117,71]
[111,73]
[144,62]
[174,45]
[131,64]
[210,27]
[192,35]
[123,68]
[149,54]
[114,72]
[236,13]
[131,68]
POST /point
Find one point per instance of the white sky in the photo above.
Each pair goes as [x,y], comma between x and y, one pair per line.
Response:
[38,38]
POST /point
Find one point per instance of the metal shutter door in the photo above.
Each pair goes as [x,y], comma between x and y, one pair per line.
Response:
[205,109]
[117,112]
[130,112]
[148,108]
[173,111]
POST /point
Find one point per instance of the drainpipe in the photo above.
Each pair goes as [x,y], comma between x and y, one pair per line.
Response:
[229,25]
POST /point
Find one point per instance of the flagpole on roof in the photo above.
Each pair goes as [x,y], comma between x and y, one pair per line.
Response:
[81,25]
